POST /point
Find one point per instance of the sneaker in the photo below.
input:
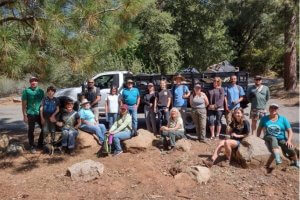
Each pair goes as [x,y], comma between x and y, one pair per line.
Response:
[296,163]
[117,153]
[32,150]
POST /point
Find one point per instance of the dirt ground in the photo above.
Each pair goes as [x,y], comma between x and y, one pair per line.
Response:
[145,175]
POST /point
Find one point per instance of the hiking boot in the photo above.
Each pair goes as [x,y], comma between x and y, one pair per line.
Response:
[277,158]
[296,164]
[71,152]
[32,149]
[208,163]
[118,153]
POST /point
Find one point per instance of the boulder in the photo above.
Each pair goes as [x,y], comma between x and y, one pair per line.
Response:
[252,152]
[184,181]
[85,171]
[4,142]
[183,145]
[199,173]
[143,141]
[86,140]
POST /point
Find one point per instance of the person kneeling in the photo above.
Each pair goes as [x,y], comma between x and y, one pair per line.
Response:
[121,129]
[238,129]
[88,121]
[69,120]
[174,130]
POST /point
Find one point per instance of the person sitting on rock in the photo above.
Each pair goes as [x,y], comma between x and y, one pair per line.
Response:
[88,121]
[121,129]
[275,126]
[69,120]
[237,130]
[174,130]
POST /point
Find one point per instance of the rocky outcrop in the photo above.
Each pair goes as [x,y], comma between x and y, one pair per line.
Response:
[143,141]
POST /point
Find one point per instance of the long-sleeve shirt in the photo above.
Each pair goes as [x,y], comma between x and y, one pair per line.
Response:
[122,124]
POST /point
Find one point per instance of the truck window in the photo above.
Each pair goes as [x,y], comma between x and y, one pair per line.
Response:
[105,81]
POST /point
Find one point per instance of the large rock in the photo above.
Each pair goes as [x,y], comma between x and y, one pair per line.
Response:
[85,171]
[252,152]
[86,140]
[143,141]
[199,173]
[4,142]
[183,145]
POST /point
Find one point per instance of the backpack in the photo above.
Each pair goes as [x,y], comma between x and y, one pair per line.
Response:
[244,103]
[106,146]
[49,106]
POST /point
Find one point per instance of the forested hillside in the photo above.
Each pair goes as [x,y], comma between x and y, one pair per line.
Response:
[64,41]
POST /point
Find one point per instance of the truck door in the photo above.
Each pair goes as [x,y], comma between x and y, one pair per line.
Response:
[104,82]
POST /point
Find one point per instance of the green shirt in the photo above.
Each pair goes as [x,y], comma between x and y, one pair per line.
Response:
[33,97]
[258,99]
[122,124]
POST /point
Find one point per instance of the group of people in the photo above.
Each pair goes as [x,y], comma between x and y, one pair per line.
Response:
[170,106]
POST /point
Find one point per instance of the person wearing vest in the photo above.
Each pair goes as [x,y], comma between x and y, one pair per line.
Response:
[31,101]
[93,95]
[69,121]
[180,95]
[49,109]
[234,94]
[215,107]
[258,95]
[131,97]
[199,102]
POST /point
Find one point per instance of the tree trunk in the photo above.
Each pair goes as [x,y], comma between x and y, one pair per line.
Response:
[290,57]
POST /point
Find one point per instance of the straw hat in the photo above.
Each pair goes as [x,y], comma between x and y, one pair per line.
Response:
[84,101]
[179,76]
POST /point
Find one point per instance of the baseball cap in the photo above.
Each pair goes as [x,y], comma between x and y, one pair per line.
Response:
[257,77]
[33,78]
[124,107]
[274,105]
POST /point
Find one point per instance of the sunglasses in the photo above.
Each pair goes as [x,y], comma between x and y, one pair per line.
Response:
[90,82]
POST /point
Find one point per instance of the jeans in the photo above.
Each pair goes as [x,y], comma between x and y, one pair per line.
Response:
[99,130]
[120,136]
[173,135]
[163,116]
[214,117]
[112,117]
[199,119]
[133,112]
[150,117]
[274,143]
[68,137]
[49,131]
[32,119]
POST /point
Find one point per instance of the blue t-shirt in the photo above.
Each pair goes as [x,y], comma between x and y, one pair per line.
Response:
[130,96]
[178,92]
[276,129]
[87,115]
[233,93]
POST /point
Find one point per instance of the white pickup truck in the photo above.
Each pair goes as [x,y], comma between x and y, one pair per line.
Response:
[103,81]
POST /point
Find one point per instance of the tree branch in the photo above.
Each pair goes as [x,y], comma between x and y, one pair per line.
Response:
[110,9]
[7,19]
[4,2]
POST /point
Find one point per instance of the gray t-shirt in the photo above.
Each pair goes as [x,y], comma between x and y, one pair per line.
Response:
[258,98]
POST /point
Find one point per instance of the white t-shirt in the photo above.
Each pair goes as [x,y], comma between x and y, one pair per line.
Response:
[113,103]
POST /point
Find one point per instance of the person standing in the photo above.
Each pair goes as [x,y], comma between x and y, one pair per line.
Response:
[258,95]
[163,103]
[199,102]
[131,97]
[234,94]
[150,100]
[31,102]
[180,95]
[216,107]
[112,103]
[93,95]
[49,109]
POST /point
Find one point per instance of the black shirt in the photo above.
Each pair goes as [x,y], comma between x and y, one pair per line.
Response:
[150,98]
[91,94]
[240,129]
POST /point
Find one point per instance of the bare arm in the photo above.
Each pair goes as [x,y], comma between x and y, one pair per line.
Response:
[290,137]
[24,105]
[98,98]
[138,102]
[259,129]
[169,102]
[205,100]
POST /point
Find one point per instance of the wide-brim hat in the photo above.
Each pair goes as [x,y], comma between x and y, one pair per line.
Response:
[84,101]
[257,77]
[129,81]
[179,76]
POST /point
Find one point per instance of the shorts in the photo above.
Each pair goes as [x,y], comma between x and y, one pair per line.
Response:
[256,114]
